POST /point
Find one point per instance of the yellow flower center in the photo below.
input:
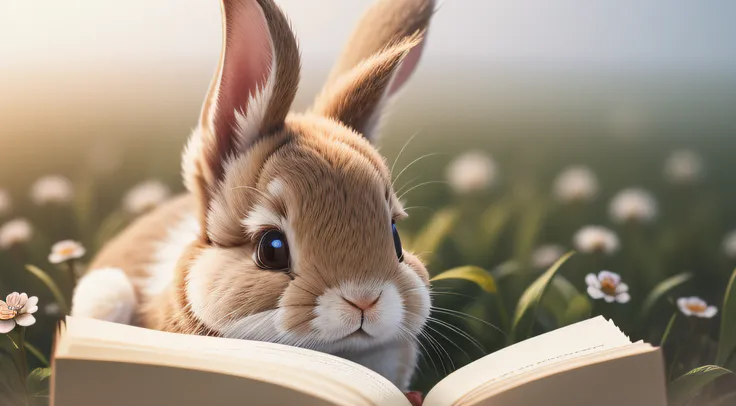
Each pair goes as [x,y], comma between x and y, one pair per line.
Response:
[696,307]
[66,251]
[608,286]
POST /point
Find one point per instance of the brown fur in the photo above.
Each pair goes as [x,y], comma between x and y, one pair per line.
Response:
[385,22]
[315,175]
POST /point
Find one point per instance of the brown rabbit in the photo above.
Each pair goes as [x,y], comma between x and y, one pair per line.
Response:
[287,233]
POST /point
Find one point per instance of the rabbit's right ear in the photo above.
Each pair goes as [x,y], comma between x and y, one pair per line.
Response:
[250,94]
[378,59]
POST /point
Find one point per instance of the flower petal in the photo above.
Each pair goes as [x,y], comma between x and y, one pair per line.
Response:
[682,303]
[30,310]
[622,288]
[56,258]
[32,301]
[710,311]
[25,320]
[609,299]
[594,292]
[623,297]
[592,280]
[6,326]
[608,274]
[13,299]
[23,299]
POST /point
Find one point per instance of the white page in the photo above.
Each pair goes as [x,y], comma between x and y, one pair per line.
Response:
[576,340]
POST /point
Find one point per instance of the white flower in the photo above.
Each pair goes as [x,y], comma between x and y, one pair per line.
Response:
[546,255]
[145,196]
[575,184]
[65,250]
[596,239]
[52,189]
[52,309]
[633,204]
[683,167]
[729,244]
[5,203]
[695,306]
[607,286]
[472,171]
[15,232]
[18,309]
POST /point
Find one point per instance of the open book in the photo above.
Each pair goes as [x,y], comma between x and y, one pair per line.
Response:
[99,363]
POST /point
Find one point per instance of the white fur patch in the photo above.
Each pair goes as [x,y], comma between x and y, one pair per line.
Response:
[104,294]
[261,216]
[416,317]
[167,254]
[276,188]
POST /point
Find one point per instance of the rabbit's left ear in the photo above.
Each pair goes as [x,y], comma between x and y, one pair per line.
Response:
[250,94]
[379,58]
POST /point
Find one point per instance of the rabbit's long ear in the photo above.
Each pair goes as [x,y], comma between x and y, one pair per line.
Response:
[250,94]
[378,59]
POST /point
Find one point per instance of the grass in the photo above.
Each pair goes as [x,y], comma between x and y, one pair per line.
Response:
[488,237]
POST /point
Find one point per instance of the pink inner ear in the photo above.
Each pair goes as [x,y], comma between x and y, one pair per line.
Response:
[246,64]
[407,67]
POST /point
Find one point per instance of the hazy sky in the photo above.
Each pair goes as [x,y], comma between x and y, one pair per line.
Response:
[614,34]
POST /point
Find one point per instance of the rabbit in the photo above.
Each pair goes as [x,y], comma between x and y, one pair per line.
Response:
[287,232]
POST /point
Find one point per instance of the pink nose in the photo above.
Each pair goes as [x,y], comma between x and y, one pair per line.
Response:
[363,304]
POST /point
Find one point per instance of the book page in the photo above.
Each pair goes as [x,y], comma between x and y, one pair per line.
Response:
[103,341]
[573,341]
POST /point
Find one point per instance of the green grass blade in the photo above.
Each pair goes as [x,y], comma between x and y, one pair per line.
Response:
[684,388]
[36,353]
[474,274]
[526,308]
[429,239]
[494,220]
[49,282]
[727,340]
[661,290]
[529,226]
[668,330]
[577,310]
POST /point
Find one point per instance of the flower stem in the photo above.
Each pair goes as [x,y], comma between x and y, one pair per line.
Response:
[72,271]
[23,358]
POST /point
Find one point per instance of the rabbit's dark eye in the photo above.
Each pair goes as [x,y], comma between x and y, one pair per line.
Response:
[273,251]
[397,242]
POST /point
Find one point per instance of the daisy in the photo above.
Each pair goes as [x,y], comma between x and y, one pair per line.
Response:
[52,189]
[546,255]
[65,250]
[596,239]
[575,184]
[695,306]
[52,309]
[683,167]
[5,203]
[18,309]
[607,286]
[145,196]
[472,171]
[15,232]
[633,205]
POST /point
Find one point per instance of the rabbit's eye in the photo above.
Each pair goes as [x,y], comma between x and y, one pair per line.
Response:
[397,242]
[273,251]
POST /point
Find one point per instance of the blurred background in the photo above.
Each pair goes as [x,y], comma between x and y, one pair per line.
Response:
[105,93]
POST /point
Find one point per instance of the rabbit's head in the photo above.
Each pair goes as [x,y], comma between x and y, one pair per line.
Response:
[297,211]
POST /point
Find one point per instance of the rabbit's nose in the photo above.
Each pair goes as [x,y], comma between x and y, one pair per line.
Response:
[363,304]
